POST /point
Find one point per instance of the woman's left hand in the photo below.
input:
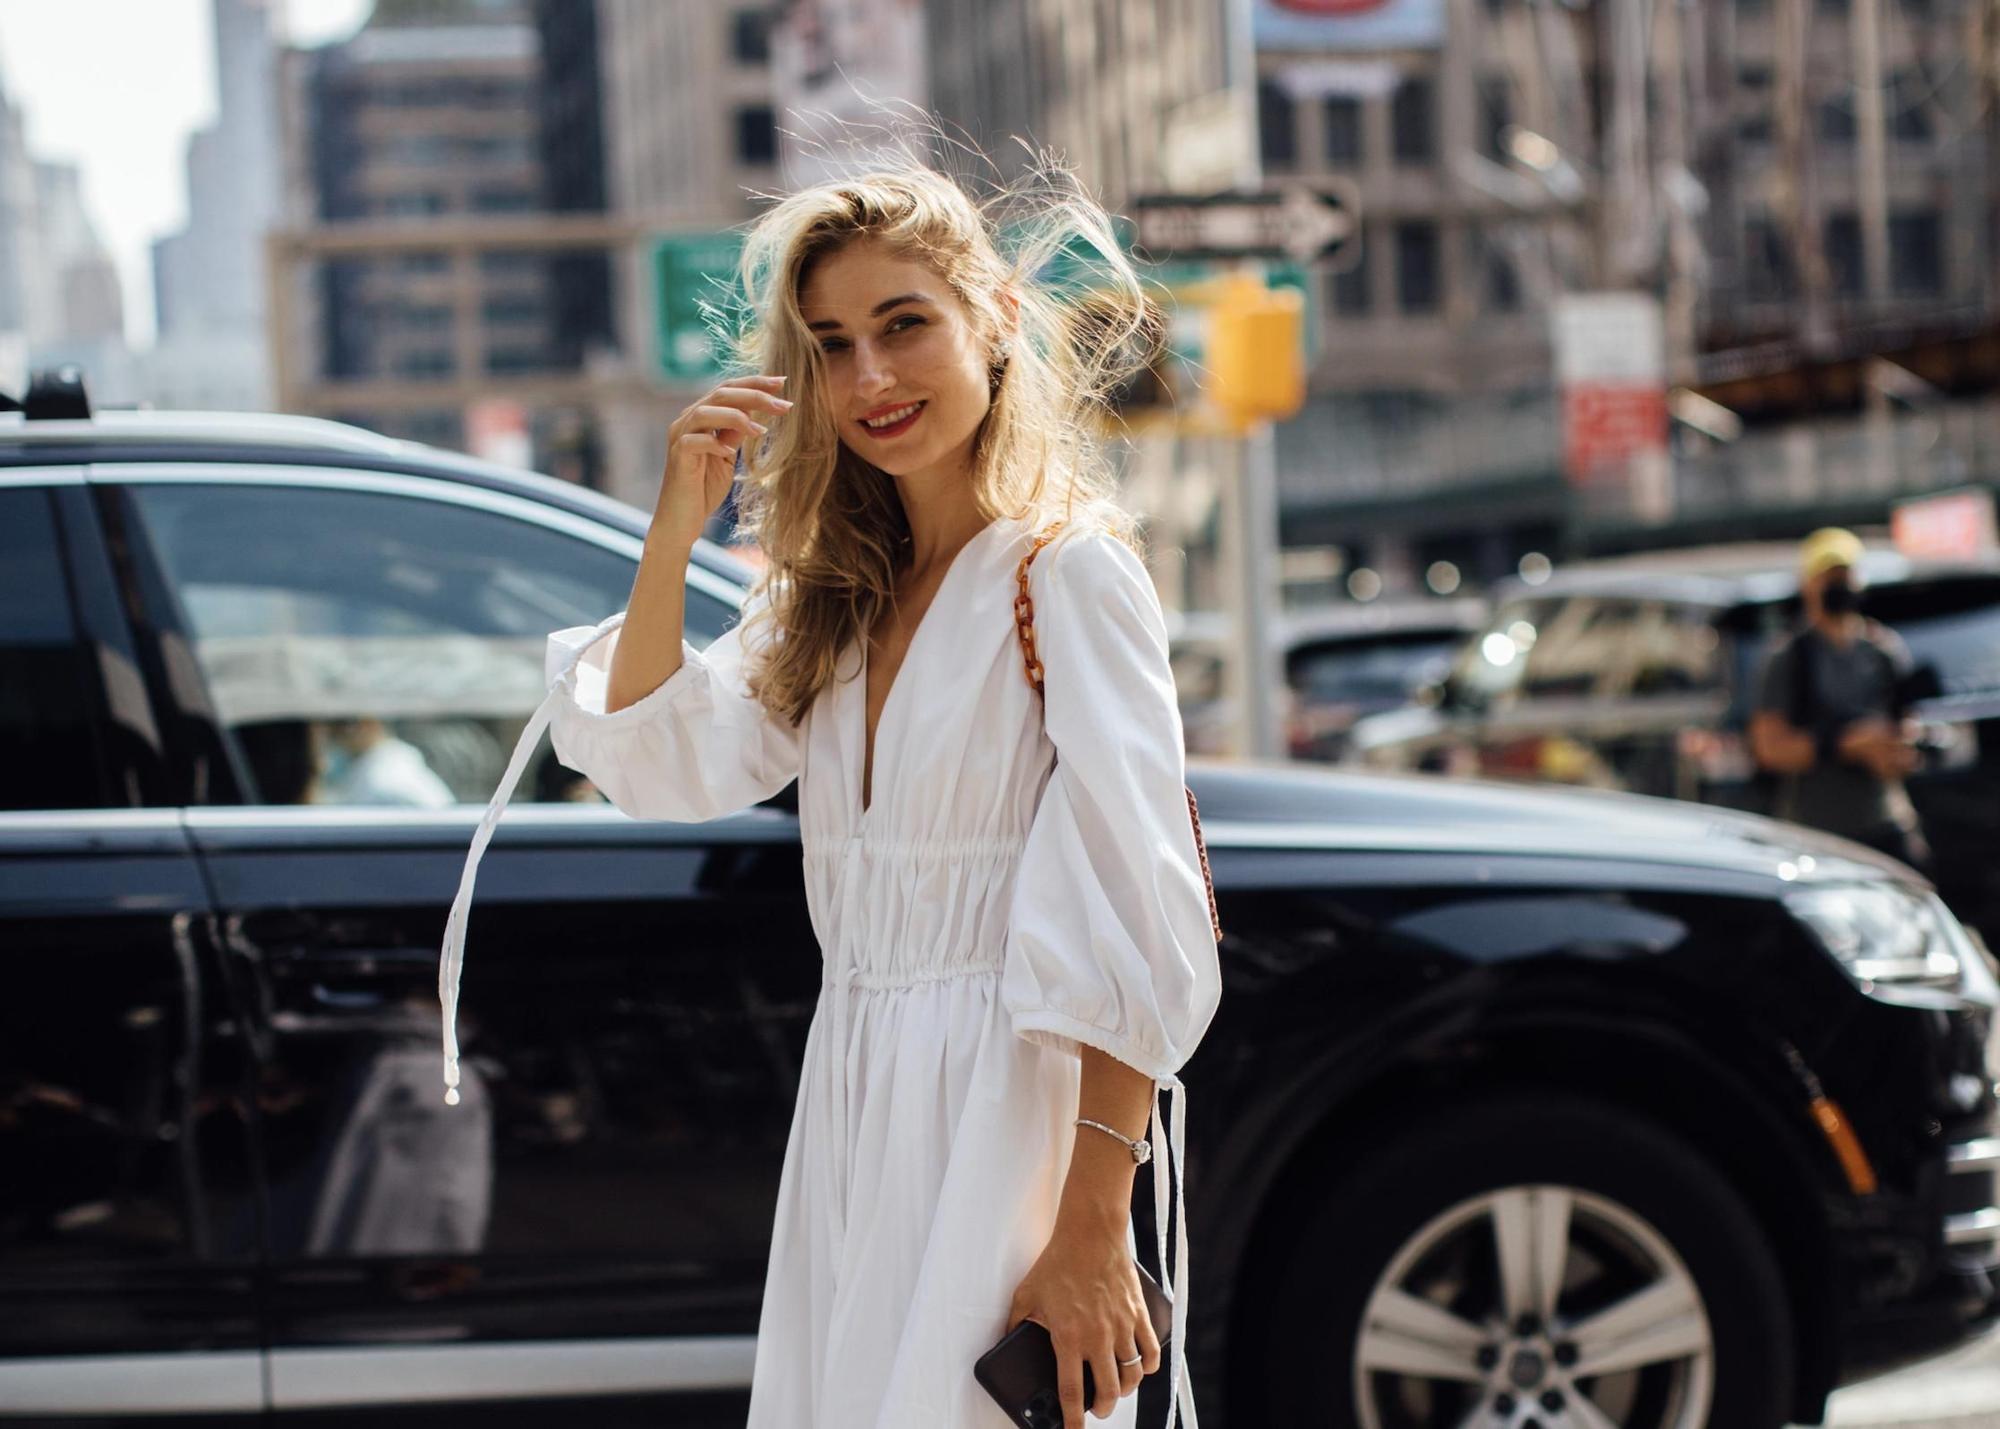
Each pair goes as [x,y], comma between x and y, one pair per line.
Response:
[1084,1290]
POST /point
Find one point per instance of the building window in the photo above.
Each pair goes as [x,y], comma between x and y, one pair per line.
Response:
[502,200]
[1352,295]
[1496,115]
[500,360]
[1916,253]
[1755,116]
[1342,121]
[750,37]
[1836,121]
[425,362]
[512,309]
[1909,112]
[1277,125]
[1498,277]
[1414,121]
[756,135]
[1843,254]
[1767,262]
[412,204]
[1419,281]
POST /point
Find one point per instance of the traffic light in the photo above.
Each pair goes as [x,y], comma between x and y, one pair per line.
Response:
[1255,350]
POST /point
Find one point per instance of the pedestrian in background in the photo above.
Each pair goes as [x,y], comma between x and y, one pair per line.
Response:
[1832,725]
[1019,949]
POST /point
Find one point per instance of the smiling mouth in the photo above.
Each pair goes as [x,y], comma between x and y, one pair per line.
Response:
[894,422]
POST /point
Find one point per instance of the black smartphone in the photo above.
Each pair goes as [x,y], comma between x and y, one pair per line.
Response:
[1020,1371]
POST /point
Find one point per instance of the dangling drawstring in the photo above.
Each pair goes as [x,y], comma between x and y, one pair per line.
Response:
[451,960]
[1176,1285]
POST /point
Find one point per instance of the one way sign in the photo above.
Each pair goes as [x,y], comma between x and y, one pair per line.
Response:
[1296,222]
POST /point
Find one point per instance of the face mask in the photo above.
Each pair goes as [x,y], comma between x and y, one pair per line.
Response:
[1839,597]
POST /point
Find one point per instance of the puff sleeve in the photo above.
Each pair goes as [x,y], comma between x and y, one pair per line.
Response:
[699,746]
[1109,942]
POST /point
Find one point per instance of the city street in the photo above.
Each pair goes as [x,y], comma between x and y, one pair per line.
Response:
[1960,1390]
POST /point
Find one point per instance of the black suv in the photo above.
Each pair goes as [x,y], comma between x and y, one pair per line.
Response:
[1515,1095]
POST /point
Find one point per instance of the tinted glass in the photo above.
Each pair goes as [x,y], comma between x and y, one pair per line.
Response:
[45,723]
[1371,671]
[374,649]
[1950,623]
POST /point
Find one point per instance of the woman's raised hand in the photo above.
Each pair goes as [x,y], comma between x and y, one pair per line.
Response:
[701,453]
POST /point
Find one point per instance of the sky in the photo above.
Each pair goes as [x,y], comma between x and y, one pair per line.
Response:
[117,86]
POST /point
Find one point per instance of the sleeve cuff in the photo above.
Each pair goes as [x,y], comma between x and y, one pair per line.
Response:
[1060,1032]
[591,686]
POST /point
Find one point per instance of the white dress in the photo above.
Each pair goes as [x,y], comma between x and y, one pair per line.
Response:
[992,908]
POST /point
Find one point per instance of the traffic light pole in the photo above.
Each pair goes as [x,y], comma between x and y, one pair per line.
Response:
[1249,524]
[1256,503]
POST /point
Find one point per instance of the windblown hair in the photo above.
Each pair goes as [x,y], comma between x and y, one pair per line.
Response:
[831,524]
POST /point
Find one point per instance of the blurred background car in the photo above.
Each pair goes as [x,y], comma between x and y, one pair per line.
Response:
[1341,664]
[1638,673]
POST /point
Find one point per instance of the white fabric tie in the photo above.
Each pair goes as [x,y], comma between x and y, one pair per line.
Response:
[451,959]
[1176,1286]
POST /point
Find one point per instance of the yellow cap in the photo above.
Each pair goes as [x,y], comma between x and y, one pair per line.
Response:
[1826,548]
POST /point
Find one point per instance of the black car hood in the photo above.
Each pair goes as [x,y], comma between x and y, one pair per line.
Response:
[1275,804]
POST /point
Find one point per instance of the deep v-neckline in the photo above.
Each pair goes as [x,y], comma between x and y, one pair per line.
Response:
[866,794]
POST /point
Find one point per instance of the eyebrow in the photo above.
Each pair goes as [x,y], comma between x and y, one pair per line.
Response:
[828,324]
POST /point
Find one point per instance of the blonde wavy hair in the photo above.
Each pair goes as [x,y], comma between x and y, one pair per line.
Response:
[831,524]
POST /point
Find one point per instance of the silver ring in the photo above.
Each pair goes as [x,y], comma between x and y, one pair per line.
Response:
[1136,1359]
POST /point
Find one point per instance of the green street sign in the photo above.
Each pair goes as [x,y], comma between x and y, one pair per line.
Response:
[694,281]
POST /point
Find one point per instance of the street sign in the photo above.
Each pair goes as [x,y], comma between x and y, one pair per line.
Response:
[694,273]
[1303,224]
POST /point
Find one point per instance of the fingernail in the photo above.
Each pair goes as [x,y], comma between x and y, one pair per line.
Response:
[784,402]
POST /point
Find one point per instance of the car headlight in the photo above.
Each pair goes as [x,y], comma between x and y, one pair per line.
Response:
[1889,939]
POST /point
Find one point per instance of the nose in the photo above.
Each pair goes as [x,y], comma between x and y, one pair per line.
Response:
[871,372]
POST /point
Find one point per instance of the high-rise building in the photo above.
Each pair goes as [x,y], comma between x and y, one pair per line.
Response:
[429,112]
[1101,83]
[60,296]
[209,278]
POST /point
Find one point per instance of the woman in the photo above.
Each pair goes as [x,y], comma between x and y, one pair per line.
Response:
[1005,885]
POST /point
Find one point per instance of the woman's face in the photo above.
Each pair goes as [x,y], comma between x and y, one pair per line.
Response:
[907,376]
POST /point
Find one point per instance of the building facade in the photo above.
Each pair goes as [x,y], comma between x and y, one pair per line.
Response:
[429,114]
[1720,161]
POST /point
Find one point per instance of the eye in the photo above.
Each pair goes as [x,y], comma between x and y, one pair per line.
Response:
[904,322]
[833,345]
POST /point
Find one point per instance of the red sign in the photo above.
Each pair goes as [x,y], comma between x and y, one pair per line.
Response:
[1951,525]
[1606,425]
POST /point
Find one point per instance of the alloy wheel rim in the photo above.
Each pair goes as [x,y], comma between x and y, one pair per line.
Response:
[1535,1307]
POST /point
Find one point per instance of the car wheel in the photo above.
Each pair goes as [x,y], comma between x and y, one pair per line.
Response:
[1527,1261]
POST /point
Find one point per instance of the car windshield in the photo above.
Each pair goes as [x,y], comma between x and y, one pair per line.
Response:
[1591,647]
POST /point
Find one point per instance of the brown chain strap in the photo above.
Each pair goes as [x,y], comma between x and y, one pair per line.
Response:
[1024,627]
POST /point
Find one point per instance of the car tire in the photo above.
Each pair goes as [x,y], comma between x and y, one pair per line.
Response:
[1360,1246]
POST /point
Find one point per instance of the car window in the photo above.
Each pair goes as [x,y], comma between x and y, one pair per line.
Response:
[1377,671]
[1951,624]
[1593,647]
[45,719]
[371,648]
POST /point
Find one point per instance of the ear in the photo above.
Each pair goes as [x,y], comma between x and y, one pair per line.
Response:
[1009,303]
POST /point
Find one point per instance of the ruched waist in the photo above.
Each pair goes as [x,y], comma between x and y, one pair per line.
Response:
[863,980]
[911,911]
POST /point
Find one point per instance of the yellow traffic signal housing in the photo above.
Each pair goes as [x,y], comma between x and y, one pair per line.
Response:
[1256,350]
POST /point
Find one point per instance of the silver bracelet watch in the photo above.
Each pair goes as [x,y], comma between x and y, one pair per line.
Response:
[1142,1150]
